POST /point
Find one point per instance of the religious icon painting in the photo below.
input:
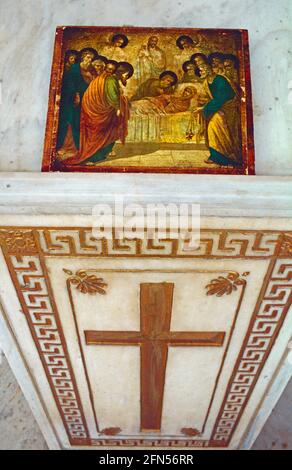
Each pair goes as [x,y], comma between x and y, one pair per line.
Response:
[151,100]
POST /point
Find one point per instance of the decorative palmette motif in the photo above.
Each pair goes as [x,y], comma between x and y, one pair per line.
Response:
[86,283]
[225,285]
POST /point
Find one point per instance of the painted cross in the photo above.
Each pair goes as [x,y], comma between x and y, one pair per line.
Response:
[154,338]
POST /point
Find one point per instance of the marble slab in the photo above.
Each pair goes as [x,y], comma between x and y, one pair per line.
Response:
[26,42]
[39,269]
[49,194]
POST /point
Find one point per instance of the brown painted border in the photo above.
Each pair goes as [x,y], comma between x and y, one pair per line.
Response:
[213,241]
[254,352]
[47,333]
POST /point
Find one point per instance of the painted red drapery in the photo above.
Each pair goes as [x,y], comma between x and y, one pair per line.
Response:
[99,123]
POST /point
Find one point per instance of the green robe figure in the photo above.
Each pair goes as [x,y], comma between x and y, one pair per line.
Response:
[222,117]
[104,116]
[75,82]
[73,86]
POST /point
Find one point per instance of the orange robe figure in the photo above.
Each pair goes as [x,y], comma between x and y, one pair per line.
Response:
[103,121]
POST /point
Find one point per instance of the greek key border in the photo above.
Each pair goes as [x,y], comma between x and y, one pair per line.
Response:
[269,314]
[80,241]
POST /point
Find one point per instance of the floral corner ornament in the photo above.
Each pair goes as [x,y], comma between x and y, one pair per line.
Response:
[190,432]
[18,241]
[110,431]
[226,285]
[86,283]
[286,248]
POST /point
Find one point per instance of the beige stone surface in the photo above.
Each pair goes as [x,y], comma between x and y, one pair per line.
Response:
[277,432]
[18,428]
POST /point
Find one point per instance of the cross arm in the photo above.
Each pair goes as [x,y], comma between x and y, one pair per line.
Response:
[197,338]
[117,338]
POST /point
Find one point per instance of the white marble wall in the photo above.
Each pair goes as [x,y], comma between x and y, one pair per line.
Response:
[26,43]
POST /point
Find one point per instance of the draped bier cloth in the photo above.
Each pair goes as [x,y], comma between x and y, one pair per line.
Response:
[99,124]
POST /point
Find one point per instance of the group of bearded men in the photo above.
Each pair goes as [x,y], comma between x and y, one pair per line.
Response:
[94,110]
